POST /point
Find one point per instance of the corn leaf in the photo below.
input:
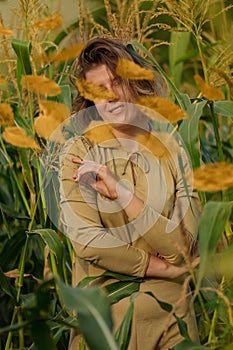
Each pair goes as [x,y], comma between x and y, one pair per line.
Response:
[93,314]
[210,231]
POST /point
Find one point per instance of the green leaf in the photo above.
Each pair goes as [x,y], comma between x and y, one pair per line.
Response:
[119,290]
[189,131]
[123,333]
[179,44]
[5,285]
[41,336]
[212,223]
[183,328]
[13,327]
[51,238]
[65,96]
[13,213]
[22,49]
[165,306]
[110,274]
[189,345]
[224,108]
[93,314]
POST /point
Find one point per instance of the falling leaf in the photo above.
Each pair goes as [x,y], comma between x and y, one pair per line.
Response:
[99,132]
[3,81]
[52,114]
[5,31]
[18,137]
[162,145]
[50,22]
[41,85]
[6,114]
[213,177]
[210,92]
[64,55]
[162,107]
[130,70]
[94,92]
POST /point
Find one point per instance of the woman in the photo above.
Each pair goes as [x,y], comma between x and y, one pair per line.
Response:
[124,208]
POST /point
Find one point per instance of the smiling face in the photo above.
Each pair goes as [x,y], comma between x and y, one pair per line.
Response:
[118,112]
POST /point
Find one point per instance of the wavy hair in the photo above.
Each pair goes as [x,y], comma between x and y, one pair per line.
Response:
[108,51]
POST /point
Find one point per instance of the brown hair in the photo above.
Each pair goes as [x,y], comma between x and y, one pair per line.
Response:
[99,51]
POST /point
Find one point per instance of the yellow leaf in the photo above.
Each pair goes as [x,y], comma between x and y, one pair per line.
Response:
[162,145]
[52,114]
[213,177]
[64,55]
[41,85]
[50,22]
[3,81]
[94,92]
[162,107]
[130,70]
[6,114]
[5,31]
[18,137]
[99,132]
[210,92]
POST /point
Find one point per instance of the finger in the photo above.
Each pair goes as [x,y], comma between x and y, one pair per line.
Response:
[77,160]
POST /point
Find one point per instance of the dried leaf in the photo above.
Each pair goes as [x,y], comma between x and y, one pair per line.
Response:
[162,107]
[210,92]
[5,31]
[162,145]
[41,85]
[130,70]
[3,81]
[99,132]
[50,22]
[18,137]
[6,114]
[94,92]
[64,55]
[14,274]
[52,114]
[213,177]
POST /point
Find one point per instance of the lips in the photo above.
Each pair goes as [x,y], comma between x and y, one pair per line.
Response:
[116,109]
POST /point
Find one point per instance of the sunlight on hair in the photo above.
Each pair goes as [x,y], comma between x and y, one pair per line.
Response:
[129,70]
[209,92]
[213,177]
[41,85]
[6,114]
[164,107]
[94,92]
[17,136]
[49,22]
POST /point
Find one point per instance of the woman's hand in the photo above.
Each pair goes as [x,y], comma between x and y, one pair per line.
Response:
[103,181]
[161,268]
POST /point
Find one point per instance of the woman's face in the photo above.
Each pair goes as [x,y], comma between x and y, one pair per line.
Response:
[118,111]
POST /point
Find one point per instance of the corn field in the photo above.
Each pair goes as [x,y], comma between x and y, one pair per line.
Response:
[190,43]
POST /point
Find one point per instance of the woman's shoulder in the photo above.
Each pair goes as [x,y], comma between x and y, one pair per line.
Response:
[77,146]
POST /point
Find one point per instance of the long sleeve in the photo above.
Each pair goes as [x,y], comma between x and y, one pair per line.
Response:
[173,235]
[82,223]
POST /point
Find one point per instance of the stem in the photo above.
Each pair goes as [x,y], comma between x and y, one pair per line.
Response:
[21,267]
[198,40]
[21,191]
[215,315]
[9,337]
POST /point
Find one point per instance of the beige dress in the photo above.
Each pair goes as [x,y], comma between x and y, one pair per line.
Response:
[104,238]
